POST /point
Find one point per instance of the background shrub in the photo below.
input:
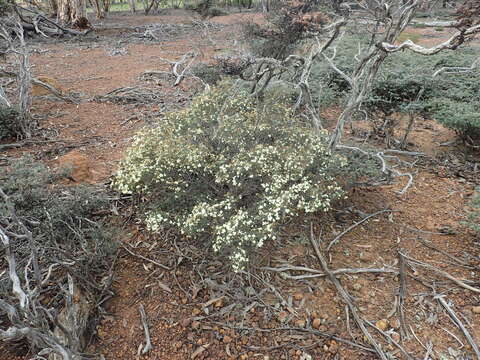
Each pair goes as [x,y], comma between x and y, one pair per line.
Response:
[451,99]
[474,218]
[230,171]
[9,125]
[64,228]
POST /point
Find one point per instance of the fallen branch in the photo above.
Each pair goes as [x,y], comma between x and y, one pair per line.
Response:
[347,298]
[458,322]
[350,228]
[402,291]
[318,273]
[459,282]
[148,344]
[53,90]
[179,76]
[451,44]
[144,258]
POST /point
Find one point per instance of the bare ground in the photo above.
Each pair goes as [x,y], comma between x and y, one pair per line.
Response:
[199,309]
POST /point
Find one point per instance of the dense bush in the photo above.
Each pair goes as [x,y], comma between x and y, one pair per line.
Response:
[9,124]
[230,171]
[452,99]
[65,231]
[211,74]
[5,7]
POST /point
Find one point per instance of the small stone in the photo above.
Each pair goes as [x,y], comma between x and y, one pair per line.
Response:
[195,324]
[382,324]
[395,323]
[244,357]
[333,348]
[476,309]
[186,322]
[196,311]
[395,336]
[316,323]
[300,323]
[227,339]
[282,316]
[298,296]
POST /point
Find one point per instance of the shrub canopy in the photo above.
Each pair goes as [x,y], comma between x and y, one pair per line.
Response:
[230,171]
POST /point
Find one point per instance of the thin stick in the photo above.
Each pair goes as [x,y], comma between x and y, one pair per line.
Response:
[347,298]
[444,273]
[402,291]
[389,338]
[146,259]
[317,273]
[337,238]
[458,322]
[148,345]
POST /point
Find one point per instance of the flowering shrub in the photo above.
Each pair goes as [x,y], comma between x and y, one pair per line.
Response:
[230,170]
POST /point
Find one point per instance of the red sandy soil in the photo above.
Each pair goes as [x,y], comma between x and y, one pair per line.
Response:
[92,138]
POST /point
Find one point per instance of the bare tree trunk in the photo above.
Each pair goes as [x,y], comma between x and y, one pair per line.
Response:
[98,9]
[52,8]
[363,76]
[265,6]
[132,6]
[73,12]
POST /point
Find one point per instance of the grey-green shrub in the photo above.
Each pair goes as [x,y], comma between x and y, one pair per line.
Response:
[9,124]
[62,222]
[474,217]
[231,171]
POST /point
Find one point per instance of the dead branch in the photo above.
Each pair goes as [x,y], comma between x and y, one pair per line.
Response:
[350,228]
[459,282]
[347,298]
[54,91]
[144,258]
[451,44]
[402,293]
[176,65]
[148,343]
[458,322]
[318,273]
[389,338]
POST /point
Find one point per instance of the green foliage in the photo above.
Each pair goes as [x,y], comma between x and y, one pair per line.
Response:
[461,116]
[231,171]
[9,124]
[452,99]
[62,223]
[5,7]
[474,218]
[211,74]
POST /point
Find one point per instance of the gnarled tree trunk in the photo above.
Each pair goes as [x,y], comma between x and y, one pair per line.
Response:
[73,12]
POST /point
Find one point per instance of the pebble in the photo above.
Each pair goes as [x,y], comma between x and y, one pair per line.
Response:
[395,336]
[282,316]
[227,339]
[316,323]
[395,323]
[195,324]
[476,309]
[298,296]
[382,324]
[300,323]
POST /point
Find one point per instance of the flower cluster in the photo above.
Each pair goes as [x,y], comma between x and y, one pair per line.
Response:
[231,170]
